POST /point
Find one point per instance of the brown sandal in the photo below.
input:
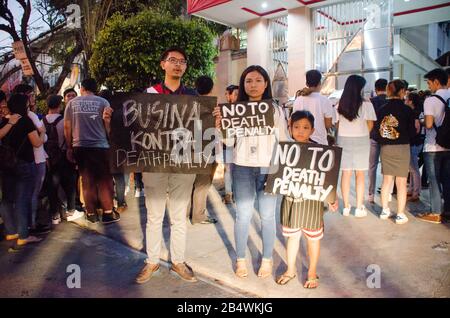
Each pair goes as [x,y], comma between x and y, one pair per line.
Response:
[284,279]
[241,268]
[309,281]
[265,270]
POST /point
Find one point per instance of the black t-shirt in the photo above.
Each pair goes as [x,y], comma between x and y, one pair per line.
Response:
[395,124]
[418,138]
[378,102]
[17,138]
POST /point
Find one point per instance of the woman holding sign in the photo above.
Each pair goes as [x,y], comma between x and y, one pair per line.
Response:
[251,160]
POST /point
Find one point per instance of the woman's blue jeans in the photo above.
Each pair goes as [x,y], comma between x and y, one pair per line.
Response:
[248,186]
[17,193]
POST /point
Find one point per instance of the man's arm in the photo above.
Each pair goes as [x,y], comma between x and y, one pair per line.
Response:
[68,133]
[429,121]
[328,122]
[68,137]
[107,114]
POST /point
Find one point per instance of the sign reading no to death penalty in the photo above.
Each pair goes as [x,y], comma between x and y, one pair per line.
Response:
[244,119]
[162,133]
[305,171]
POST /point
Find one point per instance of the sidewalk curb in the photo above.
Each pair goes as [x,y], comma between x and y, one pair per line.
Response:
[201,273]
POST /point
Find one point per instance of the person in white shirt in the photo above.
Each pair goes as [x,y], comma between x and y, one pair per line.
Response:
[436,157]
[251,164]
[311,100]
[356,119]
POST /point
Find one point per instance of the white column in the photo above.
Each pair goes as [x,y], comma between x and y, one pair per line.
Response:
[258,42]
[223,75]
[300,47]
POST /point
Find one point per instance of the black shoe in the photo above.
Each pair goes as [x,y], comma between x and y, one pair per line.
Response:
[109,218]
[92,218]
[80,208]
[445,218]
[40,230]
[209,221]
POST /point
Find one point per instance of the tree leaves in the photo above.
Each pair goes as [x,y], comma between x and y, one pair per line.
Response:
[126,52]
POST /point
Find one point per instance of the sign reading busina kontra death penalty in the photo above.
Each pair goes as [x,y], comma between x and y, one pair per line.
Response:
[305,171]
[162,133]
[243,119]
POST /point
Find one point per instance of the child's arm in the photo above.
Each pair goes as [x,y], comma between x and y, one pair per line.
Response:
[333,206]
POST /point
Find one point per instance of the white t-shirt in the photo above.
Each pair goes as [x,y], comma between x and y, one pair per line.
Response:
[358,126]
[321,108]
[40,155]
[59,127]
[433,106]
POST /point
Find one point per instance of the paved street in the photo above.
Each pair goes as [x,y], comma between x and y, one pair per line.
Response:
[107,270]
[413,259]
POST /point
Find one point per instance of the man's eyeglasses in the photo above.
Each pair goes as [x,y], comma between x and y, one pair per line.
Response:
[174,60]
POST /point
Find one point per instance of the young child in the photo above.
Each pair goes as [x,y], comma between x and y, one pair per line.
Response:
[302,216]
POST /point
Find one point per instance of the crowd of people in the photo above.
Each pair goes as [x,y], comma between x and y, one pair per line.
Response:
[65,156]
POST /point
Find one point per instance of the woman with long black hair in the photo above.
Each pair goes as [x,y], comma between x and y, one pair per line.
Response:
[356,119]
[251,160]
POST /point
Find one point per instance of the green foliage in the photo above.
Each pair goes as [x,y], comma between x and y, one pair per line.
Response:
[126,52]
[41,106]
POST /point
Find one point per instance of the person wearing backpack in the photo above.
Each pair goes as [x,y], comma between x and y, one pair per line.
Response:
[61,172]
[437,147]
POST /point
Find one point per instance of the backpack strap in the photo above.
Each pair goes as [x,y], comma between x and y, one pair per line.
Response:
[54,123]
[446,103]
[441,99]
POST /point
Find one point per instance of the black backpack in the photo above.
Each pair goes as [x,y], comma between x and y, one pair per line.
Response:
[52,148]
[443,131]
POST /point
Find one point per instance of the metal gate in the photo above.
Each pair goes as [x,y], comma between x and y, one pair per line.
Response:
[353,37]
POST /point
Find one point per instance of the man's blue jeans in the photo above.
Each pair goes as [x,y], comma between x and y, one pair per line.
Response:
[248,186]
[375,149]
[40,169]
[415,183]
[17,190]
[437,165]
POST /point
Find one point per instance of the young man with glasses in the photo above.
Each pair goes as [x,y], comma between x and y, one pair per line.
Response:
[175,187]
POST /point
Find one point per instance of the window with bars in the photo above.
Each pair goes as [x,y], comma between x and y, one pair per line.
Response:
[353,37]
[278,33]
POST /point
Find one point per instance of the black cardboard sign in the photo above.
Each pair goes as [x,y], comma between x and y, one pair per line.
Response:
[162,133]
[243,119]
[305,170]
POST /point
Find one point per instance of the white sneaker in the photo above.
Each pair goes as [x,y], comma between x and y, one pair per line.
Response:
[346,211]
[139,193]
[360,213]
[56,221]
[401,219]
[76,215]
[385,214]
[127,190]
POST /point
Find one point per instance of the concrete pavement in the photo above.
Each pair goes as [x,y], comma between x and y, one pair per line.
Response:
[107,269]
[413,259]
